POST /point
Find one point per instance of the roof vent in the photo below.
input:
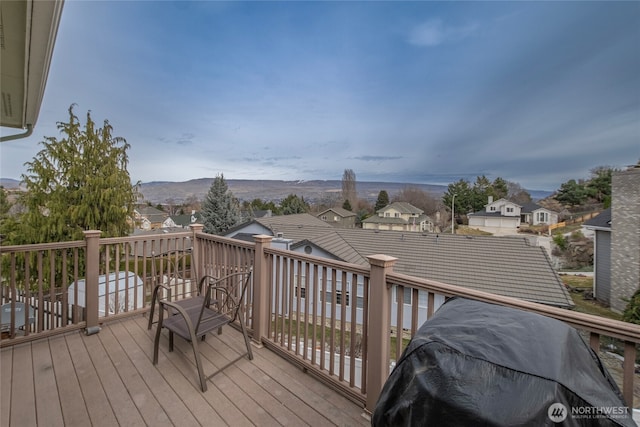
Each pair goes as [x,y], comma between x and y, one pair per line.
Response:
[279,234]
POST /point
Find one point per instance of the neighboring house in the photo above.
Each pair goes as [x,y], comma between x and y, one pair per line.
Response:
[601,225]
[500,214]
[534,214]
[286,228]
[617,242]
[504,215]
[503,265]
[149,218]
[399,216]
[625,236]
[506,266]
[184,220]
[338,217]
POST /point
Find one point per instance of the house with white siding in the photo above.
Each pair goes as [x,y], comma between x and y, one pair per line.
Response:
[399,216]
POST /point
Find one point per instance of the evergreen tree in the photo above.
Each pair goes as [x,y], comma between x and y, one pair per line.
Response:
[499,188]
[599,186]
[220,209]
[292,204]
[8,224]
[481,191]
[382,201]
[79,182]
[463,197]
[346,205]
[571,193]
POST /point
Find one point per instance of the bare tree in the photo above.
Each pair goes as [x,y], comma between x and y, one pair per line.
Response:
[349,187]
[517,194]
[418,198]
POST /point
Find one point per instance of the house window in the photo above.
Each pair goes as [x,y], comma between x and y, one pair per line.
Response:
[303,292]
[397,215]
[387,214]
[407,297]
[509,209]
[542,217]
[492,208]
[329,299]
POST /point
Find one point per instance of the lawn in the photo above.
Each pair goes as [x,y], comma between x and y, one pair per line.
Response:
[582,284]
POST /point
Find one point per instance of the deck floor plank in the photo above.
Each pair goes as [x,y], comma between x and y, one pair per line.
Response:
[109,379]
[100,411]
[149,408]
[74,410]
[6,371]
[212,405]
[234,392]
[220,349]
[115,389]
[47,407]
[176,409]
[22,386]
[188,385]
[334,406]
[299,395]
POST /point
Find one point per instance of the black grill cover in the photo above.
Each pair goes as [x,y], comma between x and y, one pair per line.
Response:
[475,363]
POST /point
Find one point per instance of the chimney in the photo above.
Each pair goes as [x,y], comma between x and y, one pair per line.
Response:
[490,199]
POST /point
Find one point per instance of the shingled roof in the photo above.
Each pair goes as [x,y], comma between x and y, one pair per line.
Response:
[602,221]
[295,227]
[507,266]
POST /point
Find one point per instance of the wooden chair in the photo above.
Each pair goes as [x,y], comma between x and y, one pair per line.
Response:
[169,274]
[192,318]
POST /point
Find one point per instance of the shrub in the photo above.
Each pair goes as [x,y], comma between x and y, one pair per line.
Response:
[560,241]
[631,313]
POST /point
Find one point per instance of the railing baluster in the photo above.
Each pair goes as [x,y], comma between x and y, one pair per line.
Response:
[628,372]
[594,341]
[399,319]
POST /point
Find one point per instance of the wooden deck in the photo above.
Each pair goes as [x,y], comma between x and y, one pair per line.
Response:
[108,379]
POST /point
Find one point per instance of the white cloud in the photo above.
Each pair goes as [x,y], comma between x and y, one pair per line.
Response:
[434,32]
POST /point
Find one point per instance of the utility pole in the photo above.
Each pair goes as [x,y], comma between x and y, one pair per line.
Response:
[453,223]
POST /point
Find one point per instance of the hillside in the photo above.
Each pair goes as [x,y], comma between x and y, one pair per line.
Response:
[312,191]
[275,190]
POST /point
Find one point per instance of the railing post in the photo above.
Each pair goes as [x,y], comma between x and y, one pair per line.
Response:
[92,237]
[379,340]
[196,264]
[261,315]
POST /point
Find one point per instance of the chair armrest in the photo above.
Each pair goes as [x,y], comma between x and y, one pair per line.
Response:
[156,289]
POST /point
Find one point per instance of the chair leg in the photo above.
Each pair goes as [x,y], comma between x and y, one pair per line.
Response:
[154,297]
[196,354]
[156,342]
[246,338]
[170,341]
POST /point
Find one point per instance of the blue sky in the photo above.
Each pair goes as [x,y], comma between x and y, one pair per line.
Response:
[422,92]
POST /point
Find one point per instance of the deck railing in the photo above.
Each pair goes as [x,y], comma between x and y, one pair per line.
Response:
[344,323]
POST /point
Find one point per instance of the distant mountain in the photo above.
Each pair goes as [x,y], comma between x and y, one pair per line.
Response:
[275,190]
[9,183]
